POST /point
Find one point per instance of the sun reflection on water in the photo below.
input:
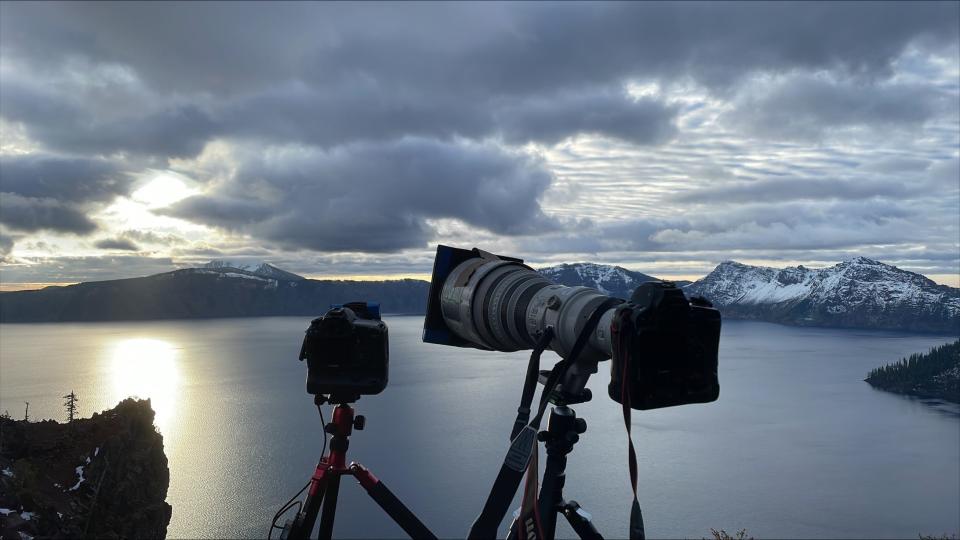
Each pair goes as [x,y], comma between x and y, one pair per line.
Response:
[147,368]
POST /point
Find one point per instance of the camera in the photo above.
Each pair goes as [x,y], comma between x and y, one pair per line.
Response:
[672,344]
[668,344]
[346,351]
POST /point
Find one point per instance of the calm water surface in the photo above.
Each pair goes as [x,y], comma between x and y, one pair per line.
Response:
[797,446]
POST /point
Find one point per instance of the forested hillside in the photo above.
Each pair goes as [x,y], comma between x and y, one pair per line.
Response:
[934,374]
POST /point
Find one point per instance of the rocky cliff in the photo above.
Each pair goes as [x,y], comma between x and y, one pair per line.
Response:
[101,477]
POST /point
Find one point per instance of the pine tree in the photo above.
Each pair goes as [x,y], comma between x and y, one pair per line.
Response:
[71,405]
[934,374]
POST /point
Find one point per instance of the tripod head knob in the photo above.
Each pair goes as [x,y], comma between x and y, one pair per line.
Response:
[359,422]
[580,425]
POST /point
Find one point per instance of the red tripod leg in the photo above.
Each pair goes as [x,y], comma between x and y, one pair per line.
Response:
[307,517]
[400,514]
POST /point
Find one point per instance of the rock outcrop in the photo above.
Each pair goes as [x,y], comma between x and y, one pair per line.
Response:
[101,477]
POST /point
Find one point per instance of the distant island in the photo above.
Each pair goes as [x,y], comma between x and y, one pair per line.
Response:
[935,374]
[859,293]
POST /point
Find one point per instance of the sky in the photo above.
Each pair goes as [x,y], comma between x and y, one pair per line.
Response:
[350,139]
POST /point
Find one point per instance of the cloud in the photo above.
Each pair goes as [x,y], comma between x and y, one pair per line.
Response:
[790,189]
[327,74]
[554,118]
[122,244]
[150,237]
[221,211]
[41,191]
[510,49]
[6,246]
[775,230]
[374,196]
[69,179]
[370,131]
[808,106]
[92,268]
[33,214]
[53,115]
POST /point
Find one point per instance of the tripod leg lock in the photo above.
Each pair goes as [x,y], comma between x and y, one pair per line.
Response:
[364,476]
[319,478]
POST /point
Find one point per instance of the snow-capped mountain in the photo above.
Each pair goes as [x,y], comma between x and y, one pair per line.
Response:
[859,293]
[612,280]
[264,270]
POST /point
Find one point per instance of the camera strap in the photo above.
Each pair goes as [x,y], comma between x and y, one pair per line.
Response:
[621,331]
[530,382]
[524,441]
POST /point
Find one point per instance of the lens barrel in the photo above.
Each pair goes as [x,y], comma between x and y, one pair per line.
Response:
[503,305]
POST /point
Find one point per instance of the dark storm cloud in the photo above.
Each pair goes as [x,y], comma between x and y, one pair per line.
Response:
[221,211]
[6,245]
[34,214]
[61,122]
[63,178]
[375,196]
[330,73]
[54,193]
[806,106]
[552,119]
[122,244]
[499,47]
[366,109]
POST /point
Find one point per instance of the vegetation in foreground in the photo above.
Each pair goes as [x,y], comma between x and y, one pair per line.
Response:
[99,477]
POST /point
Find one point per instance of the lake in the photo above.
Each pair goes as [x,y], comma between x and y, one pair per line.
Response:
[797,445]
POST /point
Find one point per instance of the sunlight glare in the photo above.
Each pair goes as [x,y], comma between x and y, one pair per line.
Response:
[147,368]
[163,190]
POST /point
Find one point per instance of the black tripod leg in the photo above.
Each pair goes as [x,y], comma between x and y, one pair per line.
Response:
[329,508]
[551,492]
[581,521]
[391,504]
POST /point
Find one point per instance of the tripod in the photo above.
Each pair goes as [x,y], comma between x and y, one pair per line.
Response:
[325,483]
[562,433]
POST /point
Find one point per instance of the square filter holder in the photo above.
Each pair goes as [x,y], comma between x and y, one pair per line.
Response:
[435,329]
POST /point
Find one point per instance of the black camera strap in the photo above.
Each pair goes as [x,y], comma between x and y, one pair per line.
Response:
[530,382]
[621,332]
[524,441]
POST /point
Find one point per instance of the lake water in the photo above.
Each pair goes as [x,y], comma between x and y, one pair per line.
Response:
[797,446]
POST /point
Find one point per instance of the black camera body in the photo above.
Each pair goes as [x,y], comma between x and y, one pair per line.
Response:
[672,347]
[347,351]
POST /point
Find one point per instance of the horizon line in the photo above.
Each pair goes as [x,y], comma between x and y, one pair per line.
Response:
[950,280]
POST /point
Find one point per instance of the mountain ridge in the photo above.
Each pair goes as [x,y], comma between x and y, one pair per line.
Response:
[205,292]
[858,293]
[608,279]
